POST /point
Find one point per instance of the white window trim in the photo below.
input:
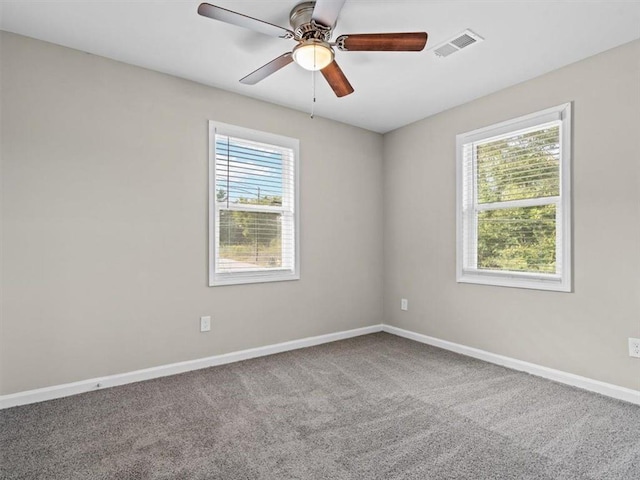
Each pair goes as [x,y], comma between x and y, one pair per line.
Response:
[247,277]
[555,282]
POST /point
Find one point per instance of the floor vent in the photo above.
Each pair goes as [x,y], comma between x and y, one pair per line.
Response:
[457,43]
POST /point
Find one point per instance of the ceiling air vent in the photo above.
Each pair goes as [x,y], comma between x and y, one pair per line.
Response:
[457,43]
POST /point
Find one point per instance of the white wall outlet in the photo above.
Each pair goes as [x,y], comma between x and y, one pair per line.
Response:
[634,347]
[205,324]
[404,304]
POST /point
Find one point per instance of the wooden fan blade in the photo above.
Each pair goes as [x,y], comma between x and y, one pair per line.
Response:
[381,42]
[264,71]
[334,75]
[234,18]
[326,12]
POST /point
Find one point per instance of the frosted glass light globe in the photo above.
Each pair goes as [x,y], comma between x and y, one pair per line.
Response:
[313,54]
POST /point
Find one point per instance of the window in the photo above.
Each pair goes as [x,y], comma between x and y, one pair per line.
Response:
[514,226]
[253,206]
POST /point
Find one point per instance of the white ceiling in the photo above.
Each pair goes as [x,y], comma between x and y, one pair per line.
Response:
[523,39]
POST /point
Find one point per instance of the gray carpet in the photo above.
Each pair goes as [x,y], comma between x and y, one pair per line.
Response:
[373,407]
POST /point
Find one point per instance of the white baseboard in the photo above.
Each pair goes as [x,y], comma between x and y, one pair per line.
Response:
[603,388]
[59,391]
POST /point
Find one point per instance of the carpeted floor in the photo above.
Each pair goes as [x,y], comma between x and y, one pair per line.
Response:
[373,407]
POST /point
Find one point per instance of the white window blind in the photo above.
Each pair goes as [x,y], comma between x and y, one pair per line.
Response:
[513,203]
[253,206]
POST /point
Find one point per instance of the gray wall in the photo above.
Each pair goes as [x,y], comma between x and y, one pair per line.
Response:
[584,332]
[104,215]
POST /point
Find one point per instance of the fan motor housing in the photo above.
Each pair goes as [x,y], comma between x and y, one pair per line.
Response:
[304,27]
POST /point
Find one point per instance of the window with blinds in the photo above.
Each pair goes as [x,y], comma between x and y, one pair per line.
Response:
[514,202]
[253,206]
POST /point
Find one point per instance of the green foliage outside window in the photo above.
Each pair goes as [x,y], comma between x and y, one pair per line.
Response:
[526,166]
[251,237]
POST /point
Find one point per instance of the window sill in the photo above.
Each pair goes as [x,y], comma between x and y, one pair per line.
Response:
[516,280]
[218,280]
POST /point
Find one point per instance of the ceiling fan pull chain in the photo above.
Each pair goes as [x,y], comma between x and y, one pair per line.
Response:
[313,92]
[313,85]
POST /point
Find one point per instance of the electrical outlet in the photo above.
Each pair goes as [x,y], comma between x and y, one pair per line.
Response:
[634,347]
[404,304]
[205,324]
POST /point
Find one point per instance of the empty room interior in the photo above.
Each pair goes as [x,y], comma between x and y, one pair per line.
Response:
[320,240]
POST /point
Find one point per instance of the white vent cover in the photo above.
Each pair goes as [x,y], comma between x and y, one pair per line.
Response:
[457,43]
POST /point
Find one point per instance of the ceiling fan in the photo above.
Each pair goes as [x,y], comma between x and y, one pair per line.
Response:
[312,25]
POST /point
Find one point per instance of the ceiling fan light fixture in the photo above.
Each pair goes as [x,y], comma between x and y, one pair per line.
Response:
[313,54]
